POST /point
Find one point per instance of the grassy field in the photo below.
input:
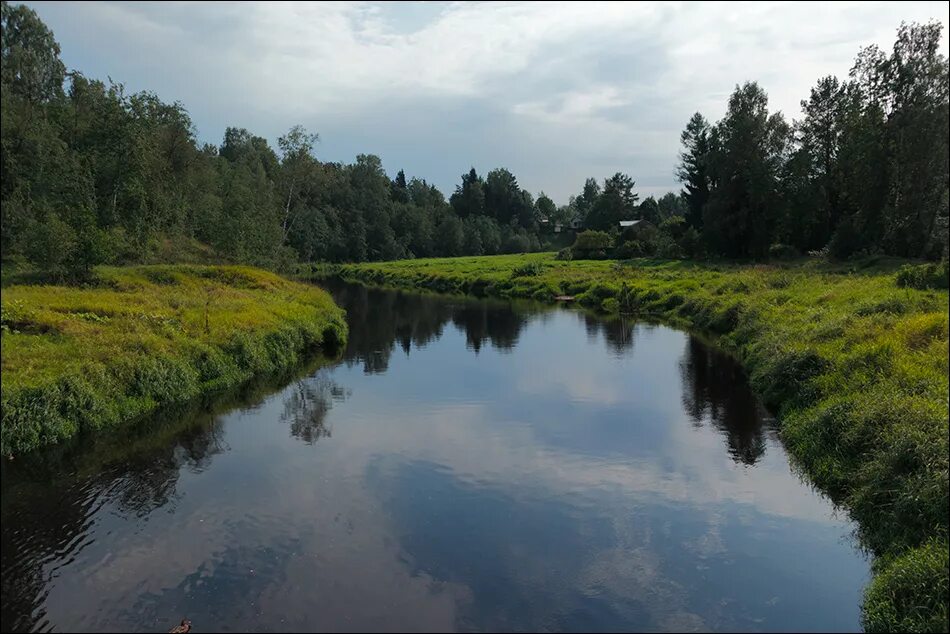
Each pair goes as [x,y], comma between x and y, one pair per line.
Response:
[855,363]
[82,358]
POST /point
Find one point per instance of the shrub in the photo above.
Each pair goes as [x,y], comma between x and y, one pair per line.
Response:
[631,249]
[924,276]
[666,247]
[529,269]
[591,245]
[565,254]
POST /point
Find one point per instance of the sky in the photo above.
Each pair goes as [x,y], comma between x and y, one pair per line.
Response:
[555,92]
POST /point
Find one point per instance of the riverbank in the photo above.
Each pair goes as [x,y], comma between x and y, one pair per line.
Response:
[855,363]
[81,358]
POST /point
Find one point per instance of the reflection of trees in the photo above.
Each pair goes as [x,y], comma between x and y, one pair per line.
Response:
[307,403]
[715,389]
[148,481]
[49,499]
[381,319]
[481,322]
[618,332]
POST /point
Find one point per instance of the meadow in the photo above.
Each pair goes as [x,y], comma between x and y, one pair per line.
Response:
[852,357]
[82,358]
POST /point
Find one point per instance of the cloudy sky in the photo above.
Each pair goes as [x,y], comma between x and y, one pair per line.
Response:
[555,92]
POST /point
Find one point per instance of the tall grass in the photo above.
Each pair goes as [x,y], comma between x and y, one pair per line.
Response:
[84,358]
[853,357]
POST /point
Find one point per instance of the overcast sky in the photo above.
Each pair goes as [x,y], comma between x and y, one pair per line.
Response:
[554,92]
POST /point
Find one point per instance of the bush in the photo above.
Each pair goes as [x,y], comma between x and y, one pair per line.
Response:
[924,276]
[631,249]
[591,245]
[50,244]
[666,247]
[529,269]
[566,254]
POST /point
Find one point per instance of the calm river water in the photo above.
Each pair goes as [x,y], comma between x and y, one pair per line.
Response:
[467,465]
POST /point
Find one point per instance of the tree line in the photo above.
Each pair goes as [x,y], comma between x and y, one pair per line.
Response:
[864,171]
[91,174]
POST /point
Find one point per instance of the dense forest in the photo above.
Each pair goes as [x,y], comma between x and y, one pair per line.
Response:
[91,174]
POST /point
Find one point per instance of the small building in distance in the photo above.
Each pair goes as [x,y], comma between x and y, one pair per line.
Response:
[631,229]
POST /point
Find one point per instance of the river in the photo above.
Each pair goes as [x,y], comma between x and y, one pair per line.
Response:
[466,465]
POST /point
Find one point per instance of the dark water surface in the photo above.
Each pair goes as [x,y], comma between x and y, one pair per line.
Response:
[469,465]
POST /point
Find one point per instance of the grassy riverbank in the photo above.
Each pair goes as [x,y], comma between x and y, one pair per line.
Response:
[854,358]
[91,357]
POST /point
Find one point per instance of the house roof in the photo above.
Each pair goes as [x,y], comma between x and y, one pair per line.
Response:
[628,223]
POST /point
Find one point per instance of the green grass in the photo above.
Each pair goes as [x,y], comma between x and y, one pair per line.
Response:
[82,358]
[855,364]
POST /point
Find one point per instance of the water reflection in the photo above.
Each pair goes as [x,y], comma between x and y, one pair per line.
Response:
[49,500]
[307,403]
[380,320]
[467,465]
[618,332]
[710,377]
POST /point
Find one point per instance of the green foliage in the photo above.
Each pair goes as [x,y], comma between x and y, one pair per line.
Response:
[864,171]
[617,202]
[856,366]
[591,245]
[31,66]
[634,249]
[923,276]
[566,254]
[91,174]
[77,359]
[910,592]
[527,269]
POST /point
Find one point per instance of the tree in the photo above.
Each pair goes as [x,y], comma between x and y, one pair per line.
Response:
[31,68]
[525,212]
[564,214]
[693,170]
[503,199]
[545,207]
[296,161]
[671,205]
[450,236]
[617,202]
[584,203]
[371,200]
[398,189]
[469,197]
[912,88]
[649,210]
[747,152]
